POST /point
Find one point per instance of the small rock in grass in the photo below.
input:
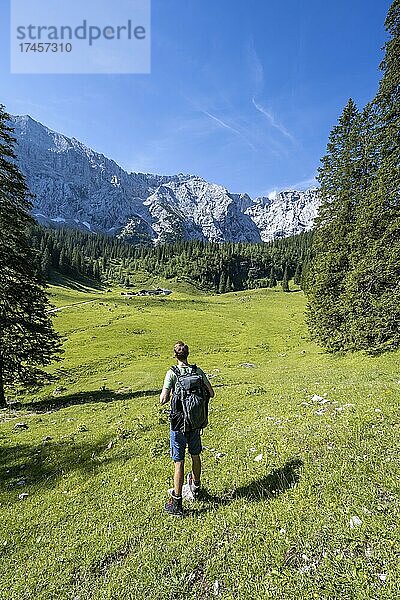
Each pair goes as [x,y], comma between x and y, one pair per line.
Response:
[248,365]
[258,458]
[219,455]
[23,496]
[110,444]
[47,438]
[21,482]
[340,408]
[192,577]
[21,426]
[382,576]
[216,587]
[252,449]
[355,522]
[317,398]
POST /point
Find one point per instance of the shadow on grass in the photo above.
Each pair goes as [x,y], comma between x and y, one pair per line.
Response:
[78,283]
[264,488]
[53,404]
[23,465]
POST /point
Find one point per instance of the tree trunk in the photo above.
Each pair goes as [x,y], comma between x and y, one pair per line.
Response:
[3,403]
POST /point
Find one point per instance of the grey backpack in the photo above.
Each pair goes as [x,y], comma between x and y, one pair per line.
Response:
[189,400]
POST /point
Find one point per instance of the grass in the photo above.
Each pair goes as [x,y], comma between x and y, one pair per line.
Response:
[95,467]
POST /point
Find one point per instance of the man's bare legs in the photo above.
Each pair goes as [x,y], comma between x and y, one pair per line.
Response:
[196,467]
[178,477]
[179,473]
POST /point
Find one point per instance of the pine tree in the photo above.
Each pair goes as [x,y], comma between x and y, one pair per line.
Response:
[339,191]
[375,281]
[353,281]
[63,263]
[297,274]
[222,283]
[75,263]
[272,277]
[285,280]
[27,338]
[45,263]
[97,273]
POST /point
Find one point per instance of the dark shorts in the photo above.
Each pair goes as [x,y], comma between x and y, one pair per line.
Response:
[179,441]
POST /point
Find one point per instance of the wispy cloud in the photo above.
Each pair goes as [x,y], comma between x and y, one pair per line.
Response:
[231,113]
[272,120]
[229,127]
[255,67]
[258,81]
[302,185]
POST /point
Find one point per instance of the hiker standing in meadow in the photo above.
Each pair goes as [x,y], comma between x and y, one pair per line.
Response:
[191,392]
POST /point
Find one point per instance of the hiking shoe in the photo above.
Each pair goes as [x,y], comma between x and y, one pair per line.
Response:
[174,506]
[196,491]
[194,486]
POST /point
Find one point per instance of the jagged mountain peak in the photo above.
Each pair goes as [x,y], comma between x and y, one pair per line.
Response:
[78,187]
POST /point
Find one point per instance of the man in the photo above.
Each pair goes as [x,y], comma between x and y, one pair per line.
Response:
[178,438]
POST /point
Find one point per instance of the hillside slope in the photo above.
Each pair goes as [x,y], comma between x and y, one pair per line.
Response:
[300,460]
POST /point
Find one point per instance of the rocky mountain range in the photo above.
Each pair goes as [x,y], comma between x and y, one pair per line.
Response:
[77,187]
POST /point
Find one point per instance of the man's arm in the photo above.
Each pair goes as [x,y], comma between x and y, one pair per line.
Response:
[209,388]
[165,395]
[208,385]
[167,387]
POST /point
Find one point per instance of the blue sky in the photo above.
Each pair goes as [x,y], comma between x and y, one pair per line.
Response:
[242,93]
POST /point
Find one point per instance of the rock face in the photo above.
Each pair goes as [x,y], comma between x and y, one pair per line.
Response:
[77,187]
[288,213]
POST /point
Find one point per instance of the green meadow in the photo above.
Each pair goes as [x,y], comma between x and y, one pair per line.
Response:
[300,465]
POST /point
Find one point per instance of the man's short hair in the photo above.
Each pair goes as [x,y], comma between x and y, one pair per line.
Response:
[181,350]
